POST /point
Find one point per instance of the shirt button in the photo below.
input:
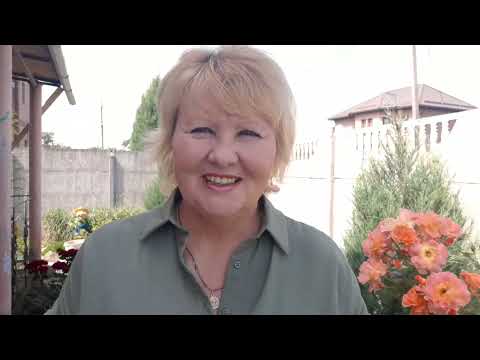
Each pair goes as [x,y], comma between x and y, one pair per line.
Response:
[226,311]
[236,264]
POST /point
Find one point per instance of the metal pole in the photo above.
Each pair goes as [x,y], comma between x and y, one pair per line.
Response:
[25,240]
[332,183]
[101,121]
[415,110]
[35,173]
[112,178]
[5,174]
[14,255]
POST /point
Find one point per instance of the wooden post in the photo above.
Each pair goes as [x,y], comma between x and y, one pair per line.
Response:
[5,178]
[35,172]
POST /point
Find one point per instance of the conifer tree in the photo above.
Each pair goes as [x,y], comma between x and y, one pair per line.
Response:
[403,178]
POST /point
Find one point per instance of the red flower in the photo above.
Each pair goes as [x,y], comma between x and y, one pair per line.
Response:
[397,264]
[60,265]
[67,254]
[420,280]
[37,266]
[72,252]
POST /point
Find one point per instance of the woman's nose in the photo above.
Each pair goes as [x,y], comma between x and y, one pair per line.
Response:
[223,155]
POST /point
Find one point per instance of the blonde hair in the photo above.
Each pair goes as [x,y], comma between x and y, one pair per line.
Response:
[242,80]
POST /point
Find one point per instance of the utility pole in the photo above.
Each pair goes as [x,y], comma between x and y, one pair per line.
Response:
[415,110]
[101,120]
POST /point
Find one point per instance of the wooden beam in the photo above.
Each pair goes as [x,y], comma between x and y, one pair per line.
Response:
[18,54]
[35,57]
[40,80]
[20,136]
[51,99]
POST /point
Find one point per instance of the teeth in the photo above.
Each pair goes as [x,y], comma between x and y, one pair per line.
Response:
[220,181]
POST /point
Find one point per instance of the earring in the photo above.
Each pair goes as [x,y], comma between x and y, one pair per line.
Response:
[271,187]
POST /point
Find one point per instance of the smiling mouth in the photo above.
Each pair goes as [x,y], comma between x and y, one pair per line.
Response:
[219,180]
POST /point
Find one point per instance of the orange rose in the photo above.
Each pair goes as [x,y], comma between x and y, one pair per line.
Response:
[376,244]
[473,282]
[446,293]
[430,224]
[371,272]
[450,230]
[414,300]
[429,256]
[404,235]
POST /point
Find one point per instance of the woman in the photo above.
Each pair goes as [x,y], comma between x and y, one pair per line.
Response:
[217,246]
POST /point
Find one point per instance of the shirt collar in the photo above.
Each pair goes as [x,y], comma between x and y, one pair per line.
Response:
[274,220]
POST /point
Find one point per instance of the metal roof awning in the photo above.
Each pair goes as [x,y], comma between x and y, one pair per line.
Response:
[44,64]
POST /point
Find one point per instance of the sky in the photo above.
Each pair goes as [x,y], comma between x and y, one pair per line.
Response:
[325,80]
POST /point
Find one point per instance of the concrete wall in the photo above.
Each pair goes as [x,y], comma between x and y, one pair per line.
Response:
[305,194]
[91,178]
[134,173]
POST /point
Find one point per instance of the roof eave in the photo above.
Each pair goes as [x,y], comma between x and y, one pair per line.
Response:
[59,62]
[432,106]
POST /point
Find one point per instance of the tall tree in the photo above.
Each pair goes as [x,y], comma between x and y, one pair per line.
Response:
[48,139]
[147,117]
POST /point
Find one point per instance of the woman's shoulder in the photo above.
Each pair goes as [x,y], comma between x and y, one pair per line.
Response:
[296,236]
[131,229]
[313,251]
[306,238]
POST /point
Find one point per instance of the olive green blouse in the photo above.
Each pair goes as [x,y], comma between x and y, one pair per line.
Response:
[136,266]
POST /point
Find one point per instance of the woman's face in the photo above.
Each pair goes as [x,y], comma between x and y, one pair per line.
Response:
[223,163]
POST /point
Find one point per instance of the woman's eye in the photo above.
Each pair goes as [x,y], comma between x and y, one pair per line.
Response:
[202,130]
[250,133]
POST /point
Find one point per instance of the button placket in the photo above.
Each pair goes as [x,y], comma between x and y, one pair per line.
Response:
[226,311]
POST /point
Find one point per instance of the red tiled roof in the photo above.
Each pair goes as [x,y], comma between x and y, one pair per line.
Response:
[402,98]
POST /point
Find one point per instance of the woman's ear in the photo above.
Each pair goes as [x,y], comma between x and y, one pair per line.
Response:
[271,187]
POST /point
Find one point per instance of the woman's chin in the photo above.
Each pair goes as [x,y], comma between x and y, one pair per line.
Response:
[221,209]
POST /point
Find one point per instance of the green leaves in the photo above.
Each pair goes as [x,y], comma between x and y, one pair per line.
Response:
[147,117]
[59,225]
[5,117]
[153,195]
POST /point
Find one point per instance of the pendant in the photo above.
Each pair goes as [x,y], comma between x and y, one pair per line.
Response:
[214,302]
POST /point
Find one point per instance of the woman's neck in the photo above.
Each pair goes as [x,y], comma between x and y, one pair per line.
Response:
[218,234]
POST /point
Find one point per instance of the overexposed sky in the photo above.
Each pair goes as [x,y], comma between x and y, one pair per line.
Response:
[325,80]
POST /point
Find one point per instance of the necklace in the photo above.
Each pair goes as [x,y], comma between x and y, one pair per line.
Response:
[214,300]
